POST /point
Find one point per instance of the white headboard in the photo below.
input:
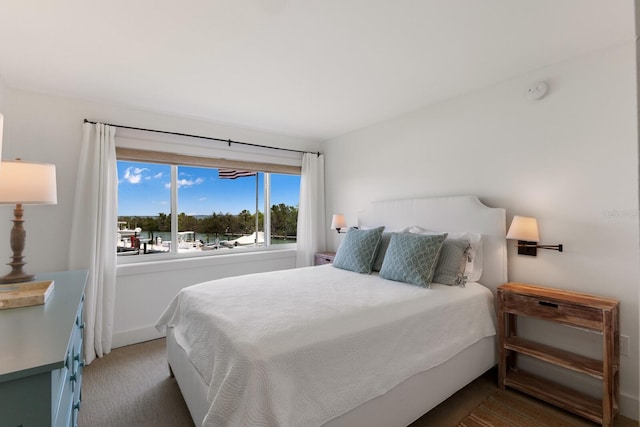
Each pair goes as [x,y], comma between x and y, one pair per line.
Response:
[455,213]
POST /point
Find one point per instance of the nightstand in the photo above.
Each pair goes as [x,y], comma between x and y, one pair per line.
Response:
[323,258]
[570,308]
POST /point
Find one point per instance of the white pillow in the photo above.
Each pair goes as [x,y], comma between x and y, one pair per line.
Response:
[473,270]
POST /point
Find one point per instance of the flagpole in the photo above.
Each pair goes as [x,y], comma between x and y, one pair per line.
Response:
[257,209]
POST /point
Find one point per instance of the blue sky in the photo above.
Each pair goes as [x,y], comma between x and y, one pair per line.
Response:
[143,190]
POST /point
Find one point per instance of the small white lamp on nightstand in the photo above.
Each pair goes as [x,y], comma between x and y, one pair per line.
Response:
[24,183]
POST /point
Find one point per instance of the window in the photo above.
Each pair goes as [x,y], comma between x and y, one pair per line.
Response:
[189,208]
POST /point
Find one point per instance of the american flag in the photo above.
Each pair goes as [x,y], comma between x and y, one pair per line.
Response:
[233,174]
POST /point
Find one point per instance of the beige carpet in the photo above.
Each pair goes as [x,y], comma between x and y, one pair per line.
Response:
[131,387]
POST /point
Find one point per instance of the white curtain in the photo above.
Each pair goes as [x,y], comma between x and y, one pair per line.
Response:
[93,234]
[311,217]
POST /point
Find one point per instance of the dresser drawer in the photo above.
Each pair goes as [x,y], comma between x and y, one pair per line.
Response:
[67,382]
[77,360]
[61,394]
[554,310]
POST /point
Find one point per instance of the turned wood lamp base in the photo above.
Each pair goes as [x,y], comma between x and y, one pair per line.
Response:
[18,235]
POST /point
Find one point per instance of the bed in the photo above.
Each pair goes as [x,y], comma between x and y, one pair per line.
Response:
[332,347]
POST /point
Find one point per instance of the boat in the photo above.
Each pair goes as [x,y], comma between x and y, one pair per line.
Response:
[186,241]
[125,231]
[244,240]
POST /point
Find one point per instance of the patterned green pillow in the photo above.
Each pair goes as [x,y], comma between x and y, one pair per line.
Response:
[452,262]
[384,244]
[358,250]
[412,258]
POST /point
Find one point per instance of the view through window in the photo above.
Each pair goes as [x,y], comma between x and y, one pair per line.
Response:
[216,209]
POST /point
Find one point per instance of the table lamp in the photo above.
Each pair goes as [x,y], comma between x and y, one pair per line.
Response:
[24,183]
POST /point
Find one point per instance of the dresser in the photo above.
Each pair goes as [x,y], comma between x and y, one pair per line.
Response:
[41,357]
[590,312]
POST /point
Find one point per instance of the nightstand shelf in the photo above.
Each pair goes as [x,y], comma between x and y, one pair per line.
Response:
[556,356]
[556,394]
[569,308]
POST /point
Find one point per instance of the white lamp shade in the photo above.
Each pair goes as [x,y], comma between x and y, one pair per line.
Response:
[524,228]
[27,183]
[338,221]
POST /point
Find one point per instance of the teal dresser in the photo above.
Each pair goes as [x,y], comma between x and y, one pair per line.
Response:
[41,357]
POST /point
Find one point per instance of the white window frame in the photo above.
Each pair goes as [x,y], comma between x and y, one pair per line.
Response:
[176,150]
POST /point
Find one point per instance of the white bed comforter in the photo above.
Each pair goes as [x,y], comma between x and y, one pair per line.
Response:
[300,347]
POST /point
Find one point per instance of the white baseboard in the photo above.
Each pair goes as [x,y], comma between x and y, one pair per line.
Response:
[629,406]
[135,336]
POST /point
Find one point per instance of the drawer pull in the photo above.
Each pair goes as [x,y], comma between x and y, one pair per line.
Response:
[548,304]
[73,379]
[76,358]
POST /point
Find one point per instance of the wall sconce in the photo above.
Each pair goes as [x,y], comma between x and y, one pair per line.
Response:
[524,229]
[338,223]
[29,184]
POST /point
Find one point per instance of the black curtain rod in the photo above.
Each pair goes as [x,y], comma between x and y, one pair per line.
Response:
[228,141]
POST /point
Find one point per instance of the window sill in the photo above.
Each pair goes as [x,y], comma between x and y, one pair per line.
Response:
[170,262]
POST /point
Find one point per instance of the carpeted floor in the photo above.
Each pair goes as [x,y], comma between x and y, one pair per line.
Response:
[131,387]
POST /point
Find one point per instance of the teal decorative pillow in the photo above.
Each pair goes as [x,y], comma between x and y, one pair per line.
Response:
[382,249]
[452,262]
[358,250]
[412,258]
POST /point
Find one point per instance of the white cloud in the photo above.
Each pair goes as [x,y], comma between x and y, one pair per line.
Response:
[158,175]
[187,182]
[134,175]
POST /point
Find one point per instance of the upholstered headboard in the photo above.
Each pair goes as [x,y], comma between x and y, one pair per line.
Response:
[450,214]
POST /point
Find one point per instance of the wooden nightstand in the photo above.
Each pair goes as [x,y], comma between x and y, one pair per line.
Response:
[573,309]
[323,258]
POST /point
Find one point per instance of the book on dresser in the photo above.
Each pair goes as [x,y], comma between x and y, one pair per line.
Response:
[42,356]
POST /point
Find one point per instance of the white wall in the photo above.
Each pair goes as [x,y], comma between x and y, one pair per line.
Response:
[3,95]
[3,101]
[569,159]
[49,129]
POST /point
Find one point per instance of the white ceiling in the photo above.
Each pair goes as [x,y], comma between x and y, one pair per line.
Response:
[309,68]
